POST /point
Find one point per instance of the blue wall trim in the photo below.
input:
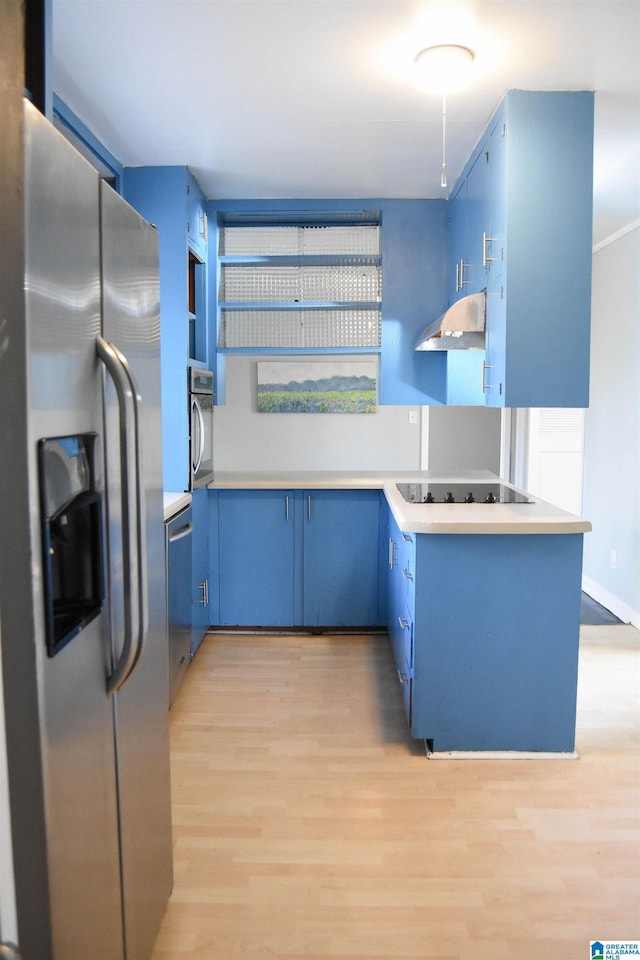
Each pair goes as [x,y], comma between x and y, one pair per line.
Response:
[80,131]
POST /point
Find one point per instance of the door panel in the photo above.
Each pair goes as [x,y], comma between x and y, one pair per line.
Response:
[256,550]
[132,321]
[62,290]
[341,546]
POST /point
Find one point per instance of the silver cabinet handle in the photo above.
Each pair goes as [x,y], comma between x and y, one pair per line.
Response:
[392,557]
[485,258]
[185,531]
[195,407]
[457,276]
[402,676]
[309,507]
[463,266]
[286,507]
[404,623]
[406,575]
[204,586]
[134,567]
[485,386]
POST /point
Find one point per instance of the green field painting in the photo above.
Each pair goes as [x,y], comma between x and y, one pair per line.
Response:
[317,387]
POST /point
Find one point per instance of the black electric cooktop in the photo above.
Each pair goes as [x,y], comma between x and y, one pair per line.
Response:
[481,492]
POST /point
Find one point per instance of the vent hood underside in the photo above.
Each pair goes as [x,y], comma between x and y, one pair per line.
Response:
[461,327]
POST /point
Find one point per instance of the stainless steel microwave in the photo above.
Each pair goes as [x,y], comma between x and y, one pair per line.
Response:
[201,397]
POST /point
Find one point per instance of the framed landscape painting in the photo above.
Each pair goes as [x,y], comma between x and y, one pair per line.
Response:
[311,386]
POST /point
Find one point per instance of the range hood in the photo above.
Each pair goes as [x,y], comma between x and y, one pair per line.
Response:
[461,327]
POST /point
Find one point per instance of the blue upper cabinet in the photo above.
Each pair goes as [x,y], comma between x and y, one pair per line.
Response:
[165,197]
[197,230]
[468,216]
[526,195]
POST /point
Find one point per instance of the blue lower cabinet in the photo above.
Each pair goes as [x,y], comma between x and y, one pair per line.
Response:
[497,620]
[340,558]
[484,631]
[255,531]
[307,558]
[401,605]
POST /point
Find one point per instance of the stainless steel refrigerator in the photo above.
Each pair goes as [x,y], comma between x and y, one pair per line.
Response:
[98,574]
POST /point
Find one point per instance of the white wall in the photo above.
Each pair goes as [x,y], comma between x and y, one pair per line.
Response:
[252,442]
[462,438]
[611,488]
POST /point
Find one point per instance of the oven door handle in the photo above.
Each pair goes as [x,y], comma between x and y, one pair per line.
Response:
[196,408]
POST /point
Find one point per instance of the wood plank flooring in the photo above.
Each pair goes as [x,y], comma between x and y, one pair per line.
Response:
[309,826]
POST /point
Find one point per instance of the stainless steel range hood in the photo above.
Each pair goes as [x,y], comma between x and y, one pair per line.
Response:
[461,327]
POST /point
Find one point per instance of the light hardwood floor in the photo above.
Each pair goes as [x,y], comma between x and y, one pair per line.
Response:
[307,824]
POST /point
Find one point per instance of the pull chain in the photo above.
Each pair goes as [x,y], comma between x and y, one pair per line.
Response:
[443,178]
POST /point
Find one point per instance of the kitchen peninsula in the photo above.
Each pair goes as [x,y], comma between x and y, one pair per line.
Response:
[481,600]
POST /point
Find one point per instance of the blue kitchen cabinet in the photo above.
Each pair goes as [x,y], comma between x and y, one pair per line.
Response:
[197,230]
[401,607]
[161,196]
[546,283]
[528,192]
[341,558]
[486,639]
[306,558]
[201,582]
[456,243]
[256,558]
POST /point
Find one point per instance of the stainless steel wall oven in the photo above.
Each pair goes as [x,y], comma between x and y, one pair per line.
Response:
[201,396]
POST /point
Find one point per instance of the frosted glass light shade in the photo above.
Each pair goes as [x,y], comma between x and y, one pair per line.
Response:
[444,68]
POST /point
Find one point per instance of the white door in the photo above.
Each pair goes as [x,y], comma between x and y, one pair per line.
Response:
[554,456]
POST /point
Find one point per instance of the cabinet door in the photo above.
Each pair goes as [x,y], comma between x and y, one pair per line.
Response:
[494,371]
[196,218]
[474,273]
[497,205]
[458,210]
[201,583]
[255,529]
[341,550]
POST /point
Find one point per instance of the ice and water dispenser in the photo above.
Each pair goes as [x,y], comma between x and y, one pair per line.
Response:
[71,519]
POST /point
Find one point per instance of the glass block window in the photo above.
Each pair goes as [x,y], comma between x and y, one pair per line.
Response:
[299,286]
[300,328]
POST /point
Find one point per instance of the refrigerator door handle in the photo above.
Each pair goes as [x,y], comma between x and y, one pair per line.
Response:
[135,585]
[141,538]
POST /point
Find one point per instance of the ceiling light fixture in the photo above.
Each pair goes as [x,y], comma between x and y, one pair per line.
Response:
[445,68]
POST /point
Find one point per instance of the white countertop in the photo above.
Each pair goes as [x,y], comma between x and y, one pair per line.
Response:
[475,518]
[174,503]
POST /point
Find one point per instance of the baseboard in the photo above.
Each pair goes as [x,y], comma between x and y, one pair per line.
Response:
[499,755]
[617,606]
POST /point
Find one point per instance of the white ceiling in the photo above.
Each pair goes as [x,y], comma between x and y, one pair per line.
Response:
[318,98]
